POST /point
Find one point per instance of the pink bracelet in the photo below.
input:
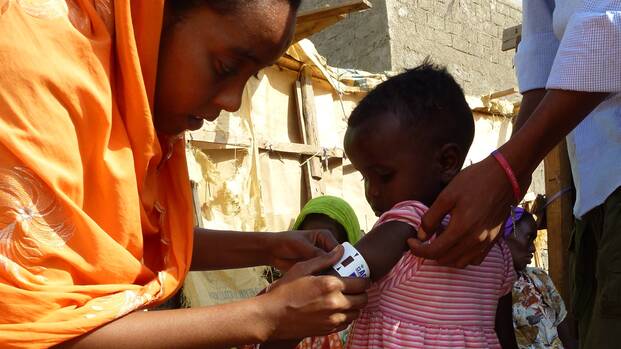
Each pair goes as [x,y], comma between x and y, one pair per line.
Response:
[517,192]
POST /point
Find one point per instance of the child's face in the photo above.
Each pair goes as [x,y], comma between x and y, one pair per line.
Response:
[395,166]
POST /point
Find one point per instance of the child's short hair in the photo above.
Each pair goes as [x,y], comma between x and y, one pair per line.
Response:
[424,98]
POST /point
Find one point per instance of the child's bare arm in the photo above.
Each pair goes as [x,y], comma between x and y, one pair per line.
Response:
[504,323]
[383,246]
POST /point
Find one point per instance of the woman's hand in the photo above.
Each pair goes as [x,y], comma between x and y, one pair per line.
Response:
[288,248]
[302,305]
[479,200]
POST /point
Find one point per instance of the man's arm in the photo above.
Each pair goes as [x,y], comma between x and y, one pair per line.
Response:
[530,102]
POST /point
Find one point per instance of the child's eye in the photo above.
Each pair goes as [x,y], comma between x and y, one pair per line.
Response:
[386,177]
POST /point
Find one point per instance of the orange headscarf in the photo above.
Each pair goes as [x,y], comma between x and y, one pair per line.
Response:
[94,221]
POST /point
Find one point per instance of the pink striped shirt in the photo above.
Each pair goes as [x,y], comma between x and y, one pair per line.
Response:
[421,304]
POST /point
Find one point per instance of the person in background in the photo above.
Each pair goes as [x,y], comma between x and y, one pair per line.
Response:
[539,313]
[331,213]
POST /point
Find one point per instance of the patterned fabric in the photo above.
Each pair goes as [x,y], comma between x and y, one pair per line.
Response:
[537,310]
[421,304]
[332,341]
[94,224]
[576,45]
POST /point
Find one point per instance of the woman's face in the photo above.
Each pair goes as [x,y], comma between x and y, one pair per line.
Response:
[206,58]
[522,242]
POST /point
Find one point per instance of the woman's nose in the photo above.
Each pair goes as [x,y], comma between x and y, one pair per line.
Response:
[230,97]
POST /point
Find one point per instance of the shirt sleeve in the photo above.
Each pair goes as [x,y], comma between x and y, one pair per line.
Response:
[589,55]
[538,47]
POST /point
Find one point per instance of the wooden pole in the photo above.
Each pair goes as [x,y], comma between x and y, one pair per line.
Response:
[310,118]
[560,219]
[314,187]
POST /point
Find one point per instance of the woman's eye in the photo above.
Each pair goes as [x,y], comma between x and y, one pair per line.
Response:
[226,69]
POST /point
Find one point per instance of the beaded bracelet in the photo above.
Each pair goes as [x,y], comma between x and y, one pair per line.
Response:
[517,192]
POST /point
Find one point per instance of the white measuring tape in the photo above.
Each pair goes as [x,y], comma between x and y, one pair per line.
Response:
[352,264]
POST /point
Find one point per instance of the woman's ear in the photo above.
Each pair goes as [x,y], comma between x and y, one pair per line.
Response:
[449,160]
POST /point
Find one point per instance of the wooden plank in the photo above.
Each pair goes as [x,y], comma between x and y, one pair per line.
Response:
[300,108]
[511,37]
[313,21]
[501,94]
[559,217]
[304,30]
[333,10]
[294,65]
[285,148]
[310,118]
[196,205]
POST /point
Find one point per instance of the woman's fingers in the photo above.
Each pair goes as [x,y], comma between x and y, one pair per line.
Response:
[288,248]
[314,265]
[324,240]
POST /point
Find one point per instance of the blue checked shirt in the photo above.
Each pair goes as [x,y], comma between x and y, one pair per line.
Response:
[576,45]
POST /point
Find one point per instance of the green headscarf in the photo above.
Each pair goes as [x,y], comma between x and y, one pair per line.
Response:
[335,208]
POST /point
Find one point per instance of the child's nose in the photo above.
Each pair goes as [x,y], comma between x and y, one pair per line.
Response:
[372,190]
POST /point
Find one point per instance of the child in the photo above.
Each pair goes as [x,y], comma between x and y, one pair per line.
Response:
[539,314]
[408,138]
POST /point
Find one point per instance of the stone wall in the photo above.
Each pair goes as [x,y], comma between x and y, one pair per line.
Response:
[360,41]
[465,35]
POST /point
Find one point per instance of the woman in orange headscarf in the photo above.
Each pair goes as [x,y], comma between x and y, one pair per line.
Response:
[95,217]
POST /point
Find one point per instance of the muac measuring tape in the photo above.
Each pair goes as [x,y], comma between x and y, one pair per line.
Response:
[352,264]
